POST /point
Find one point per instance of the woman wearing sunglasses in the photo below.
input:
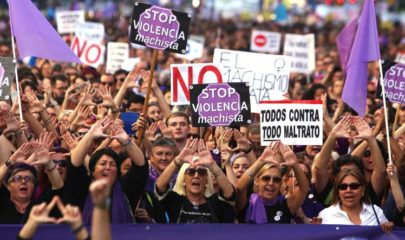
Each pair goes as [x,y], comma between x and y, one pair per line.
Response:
[350,205]
[192,199]
[266,205]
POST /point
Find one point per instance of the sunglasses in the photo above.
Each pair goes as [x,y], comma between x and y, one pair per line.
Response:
[353,186]
[120,79]
[276,179]
[79,134]
[61,163]
[20,179]
[108,83]
[201,172]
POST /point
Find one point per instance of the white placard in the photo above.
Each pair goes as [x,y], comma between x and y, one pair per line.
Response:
[67,21]
[117,53]
[291,122]
[302,50]
[264,41]
[90,53]
[93,32]
[184,75]
[400,58]
[129,64]
[267,75]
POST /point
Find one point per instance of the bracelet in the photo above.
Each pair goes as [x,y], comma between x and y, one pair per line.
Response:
[78,229]
[105,205]
[249,174]
[176,163]
[126,144]
[51,168]
[218,172]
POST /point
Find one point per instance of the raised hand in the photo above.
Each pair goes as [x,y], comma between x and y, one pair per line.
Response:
[242,143]
[70,214]
[40,213]
[187,153]
[129,81]
[87,97]
[98,129]
[46,140]
[36,106]
[226,137]
[21,153]
[119,134]
[108,100]
[392,171]
[167,132]
[42,155]
[81,117]
[363,129]
[290,159]
[140,123]
[150,132]
[204,156]
[100,192]
[342,127]
[269,154]
[70,140]
[226,154]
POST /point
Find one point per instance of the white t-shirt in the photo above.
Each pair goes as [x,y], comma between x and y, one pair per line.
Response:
[335,215]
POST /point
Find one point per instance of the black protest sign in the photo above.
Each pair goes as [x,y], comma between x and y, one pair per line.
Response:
[394,82]
[220,104]
[7,68]
[159,28]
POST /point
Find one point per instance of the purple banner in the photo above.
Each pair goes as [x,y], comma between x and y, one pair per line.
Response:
[159,28]
[219,232]
[394,81]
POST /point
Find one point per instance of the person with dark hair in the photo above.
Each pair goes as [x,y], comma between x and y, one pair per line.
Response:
[60,85]
[20,176]
[119,77]
[315,92]
[350,204]
[179,123]
[134,102]
[126,189]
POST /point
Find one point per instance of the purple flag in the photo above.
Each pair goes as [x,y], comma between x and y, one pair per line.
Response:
[344,42]
[35,35]
[365,48]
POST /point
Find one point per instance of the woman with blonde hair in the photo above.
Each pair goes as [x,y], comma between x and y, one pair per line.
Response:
[192,199]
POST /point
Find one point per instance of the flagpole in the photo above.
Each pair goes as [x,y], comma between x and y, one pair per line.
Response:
[385,111]
[15,62]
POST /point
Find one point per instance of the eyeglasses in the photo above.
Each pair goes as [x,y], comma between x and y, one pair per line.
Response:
[121,79]
[201,172]
[61,163]
[276,179]
[19,179]
[109,83]
[353,186]
[79,134]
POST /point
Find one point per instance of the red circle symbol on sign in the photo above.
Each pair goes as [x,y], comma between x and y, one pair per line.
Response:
[260,40]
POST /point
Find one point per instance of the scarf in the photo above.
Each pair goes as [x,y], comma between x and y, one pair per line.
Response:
[120,210]
[256,212]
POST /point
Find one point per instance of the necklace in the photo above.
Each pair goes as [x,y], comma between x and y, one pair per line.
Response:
[196,203]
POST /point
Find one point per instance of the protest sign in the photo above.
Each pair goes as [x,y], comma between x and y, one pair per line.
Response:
[6,77]
[400,58]
[291,122]
[267,75]
[394,82]
[129,118]
[93,32]
[90,53]
[184,75]
[302,50]
[194,50]
[264,41]
[220,104]
[129,63]
[159,28]
[117,53]
[66,21]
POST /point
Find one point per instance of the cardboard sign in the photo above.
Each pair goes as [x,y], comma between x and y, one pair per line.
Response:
[264,41]
[400,58]
[117,53]
[220,104]
[302,50]
[90,53]
[267,75]
[194,50]
[67,21]
[394,82]
[93,32]
[184,75]
[6,77]
[159,28]
[291,122]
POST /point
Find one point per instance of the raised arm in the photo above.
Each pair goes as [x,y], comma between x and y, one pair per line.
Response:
[100,226]
[322,160]
[205,159]
[128,83]
[396,187]
[186,155]
[296,199]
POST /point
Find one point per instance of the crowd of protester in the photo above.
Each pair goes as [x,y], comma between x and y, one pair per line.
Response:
[68,159]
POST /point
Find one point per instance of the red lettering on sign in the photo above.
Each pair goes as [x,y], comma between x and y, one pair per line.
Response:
[260,40]
[178,79]
[210,68]
[87,56]
[77,48]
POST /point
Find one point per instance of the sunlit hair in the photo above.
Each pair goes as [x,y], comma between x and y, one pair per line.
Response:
[180,189]
[266,167]
[339,179]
